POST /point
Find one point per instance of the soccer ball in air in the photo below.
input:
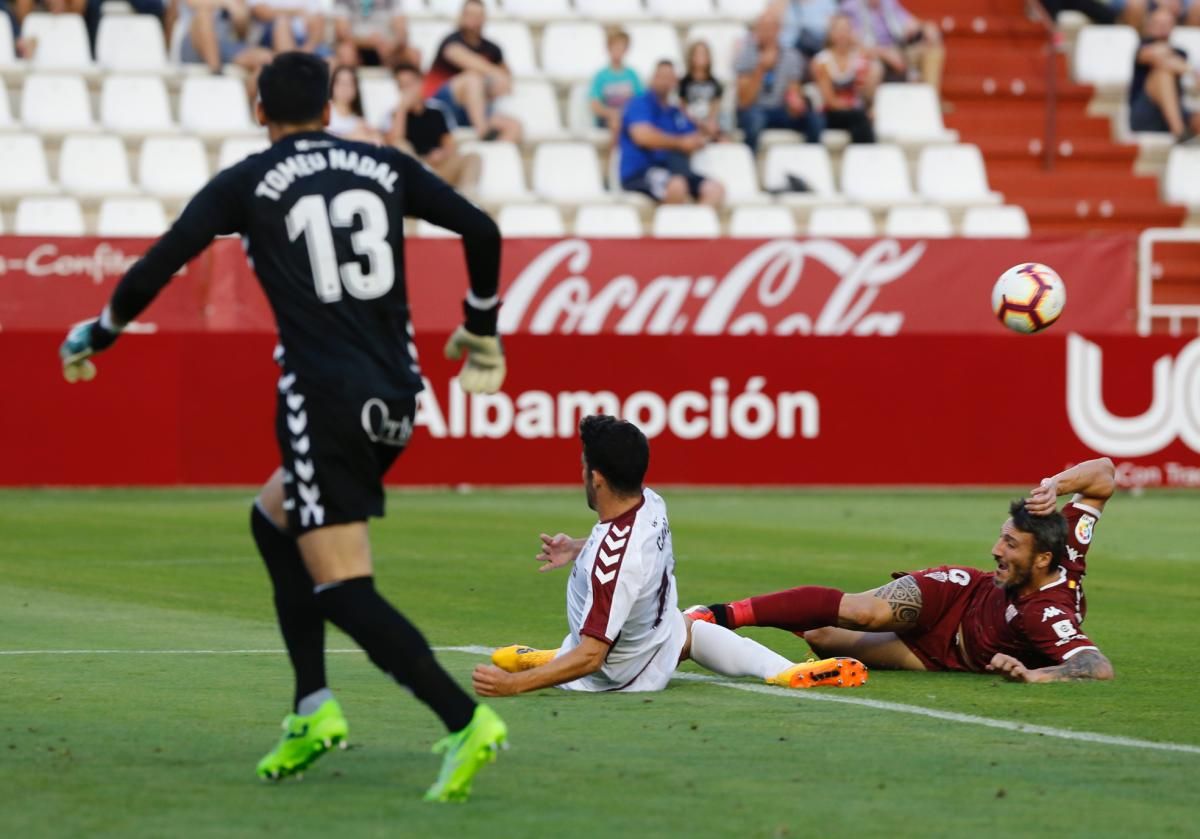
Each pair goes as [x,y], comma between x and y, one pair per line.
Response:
[1029,297]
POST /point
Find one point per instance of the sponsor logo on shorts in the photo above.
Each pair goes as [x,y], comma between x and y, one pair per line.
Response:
[1084,527]
[381,428]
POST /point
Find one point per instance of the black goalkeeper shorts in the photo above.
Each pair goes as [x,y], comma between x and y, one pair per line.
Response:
[335,452]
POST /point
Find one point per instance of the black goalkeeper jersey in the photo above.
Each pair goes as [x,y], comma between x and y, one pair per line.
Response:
[322,223]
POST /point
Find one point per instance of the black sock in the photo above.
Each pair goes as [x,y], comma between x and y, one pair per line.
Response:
[300,618]
[396,647]
[721,613]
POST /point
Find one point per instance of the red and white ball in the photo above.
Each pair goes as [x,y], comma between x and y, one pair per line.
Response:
[1029,297]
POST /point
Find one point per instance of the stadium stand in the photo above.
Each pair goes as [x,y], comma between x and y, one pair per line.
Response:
[686,221]
[531,220]
[761,223]
[918,222]
[49,217]
[841,222]
[131,217]
[608,221]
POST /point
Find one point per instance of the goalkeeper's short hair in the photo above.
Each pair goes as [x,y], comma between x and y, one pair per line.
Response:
[617,449]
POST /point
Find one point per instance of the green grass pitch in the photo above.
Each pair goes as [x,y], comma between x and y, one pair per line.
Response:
[164,745]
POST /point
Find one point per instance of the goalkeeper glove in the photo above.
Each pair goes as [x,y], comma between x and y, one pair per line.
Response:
[484,369]
[83,341]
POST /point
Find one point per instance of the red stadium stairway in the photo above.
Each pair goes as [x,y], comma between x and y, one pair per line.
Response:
[994,90]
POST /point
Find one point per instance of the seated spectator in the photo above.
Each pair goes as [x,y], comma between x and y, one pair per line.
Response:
[700,92]
[91,15]
[657,141]
[377,31]
[910,49]
[16,11]
[1156,90]
[469,74]
[217,34]
[346,114]
[1131,12]
[614,85]
[292,25]
[1185,12]
[420,128]
[769,90]
[806,24]
[847,77]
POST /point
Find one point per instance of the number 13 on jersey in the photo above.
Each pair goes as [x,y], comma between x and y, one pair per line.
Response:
[312,219]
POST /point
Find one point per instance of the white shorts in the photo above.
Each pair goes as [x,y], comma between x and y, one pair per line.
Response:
[653,670]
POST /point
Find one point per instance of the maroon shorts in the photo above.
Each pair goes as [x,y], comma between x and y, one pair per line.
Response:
[946,592]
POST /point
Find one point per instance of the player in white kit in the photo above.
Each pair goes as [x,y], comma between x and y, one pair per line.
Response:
[626,630]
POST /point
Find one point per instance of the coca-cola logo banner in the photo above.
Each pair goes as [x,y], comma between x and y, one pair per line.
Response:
[785,287]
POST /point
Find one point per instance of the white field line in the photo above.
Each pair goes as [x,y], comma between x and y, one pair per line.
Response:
[812,695]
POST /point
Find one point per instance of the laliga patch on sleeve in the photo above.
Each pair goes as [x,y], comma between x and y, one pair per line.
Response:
[1083,528]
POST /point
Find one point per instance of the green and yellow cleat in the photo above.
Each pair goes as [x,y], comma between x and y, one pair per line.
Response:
[305,738]
[516,658]
[467,752]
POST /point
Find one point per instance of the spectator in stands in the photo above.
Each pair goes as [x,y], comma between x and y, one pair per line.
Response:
[217,34]
[1186,12]
[469,74]
[346,114]
[847,76]
[420,128]
[805,24]
[1156,90]
[910,49]
[376,30]
[615,84]
[657,141]
[17,11]
[1131,12]
[769,90]
[700,92]
[292,25]
[91,14]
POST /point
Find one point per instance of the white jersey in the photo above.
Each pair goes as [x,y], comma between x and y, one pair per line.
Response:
[622,591]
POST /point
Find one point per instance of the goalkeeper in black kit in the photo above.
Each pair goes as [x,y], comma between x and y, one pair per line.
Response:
[322,222]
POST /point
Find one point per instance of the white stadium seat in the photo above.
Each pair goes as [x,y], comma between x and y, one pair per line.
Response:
[723,41]
[515,39]
[568,173]
[1104,55]
[841,222]
[1181,181]
[910,112]
[451,8]
[62,41]
[427,36]
[538,9]
[172,167]
[1187,38]
[414,8]
[608,221]
[6,117]
[732,164]
[807,161]
[686,221]
[502,176]
[650,43]
[581,122]
[741,9]
[236,149]
[918,222]
[94,165]
[535,104]
[135,105]
[611,10]
[429,230]
[380,96]
[56,104]
[214,106]
[24,171]
[131,217]
[48,217]
[531,220]
[762,223]
[1007,222]
[131,43]
[875,175]
[681,10]
[573,50]
[954,175]
[8,53]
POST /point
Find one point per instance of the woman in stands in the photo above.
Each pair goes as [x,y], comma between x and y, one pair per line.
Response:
[847,76]
[346,115]
[700,92]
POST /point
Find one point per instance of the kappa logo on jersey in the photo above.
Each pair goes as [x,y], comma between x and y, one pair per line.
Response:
[1010,613]
[1051,612]
[1074,556]
[1084,527]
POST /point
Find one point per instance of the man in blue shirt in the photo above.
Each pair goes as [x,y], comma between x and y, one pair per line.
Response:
[657,141]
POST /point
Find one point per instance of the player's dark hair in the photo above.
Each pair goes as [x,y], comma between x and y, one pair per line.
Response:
[294,88]
[1049,532]
[406,67]
[616,449]
[356,107]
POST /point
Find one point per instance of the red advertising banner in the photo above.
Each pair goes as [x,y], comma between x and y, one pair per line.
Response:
[783,287]
[196,408]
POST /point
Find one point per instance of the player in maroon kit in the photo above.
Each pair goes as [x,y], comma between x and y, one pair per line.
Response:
[1022,620]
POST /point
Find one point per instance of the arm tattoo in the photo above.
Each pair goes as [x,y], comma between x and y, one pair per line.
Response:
[904,598]
[1088,664]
